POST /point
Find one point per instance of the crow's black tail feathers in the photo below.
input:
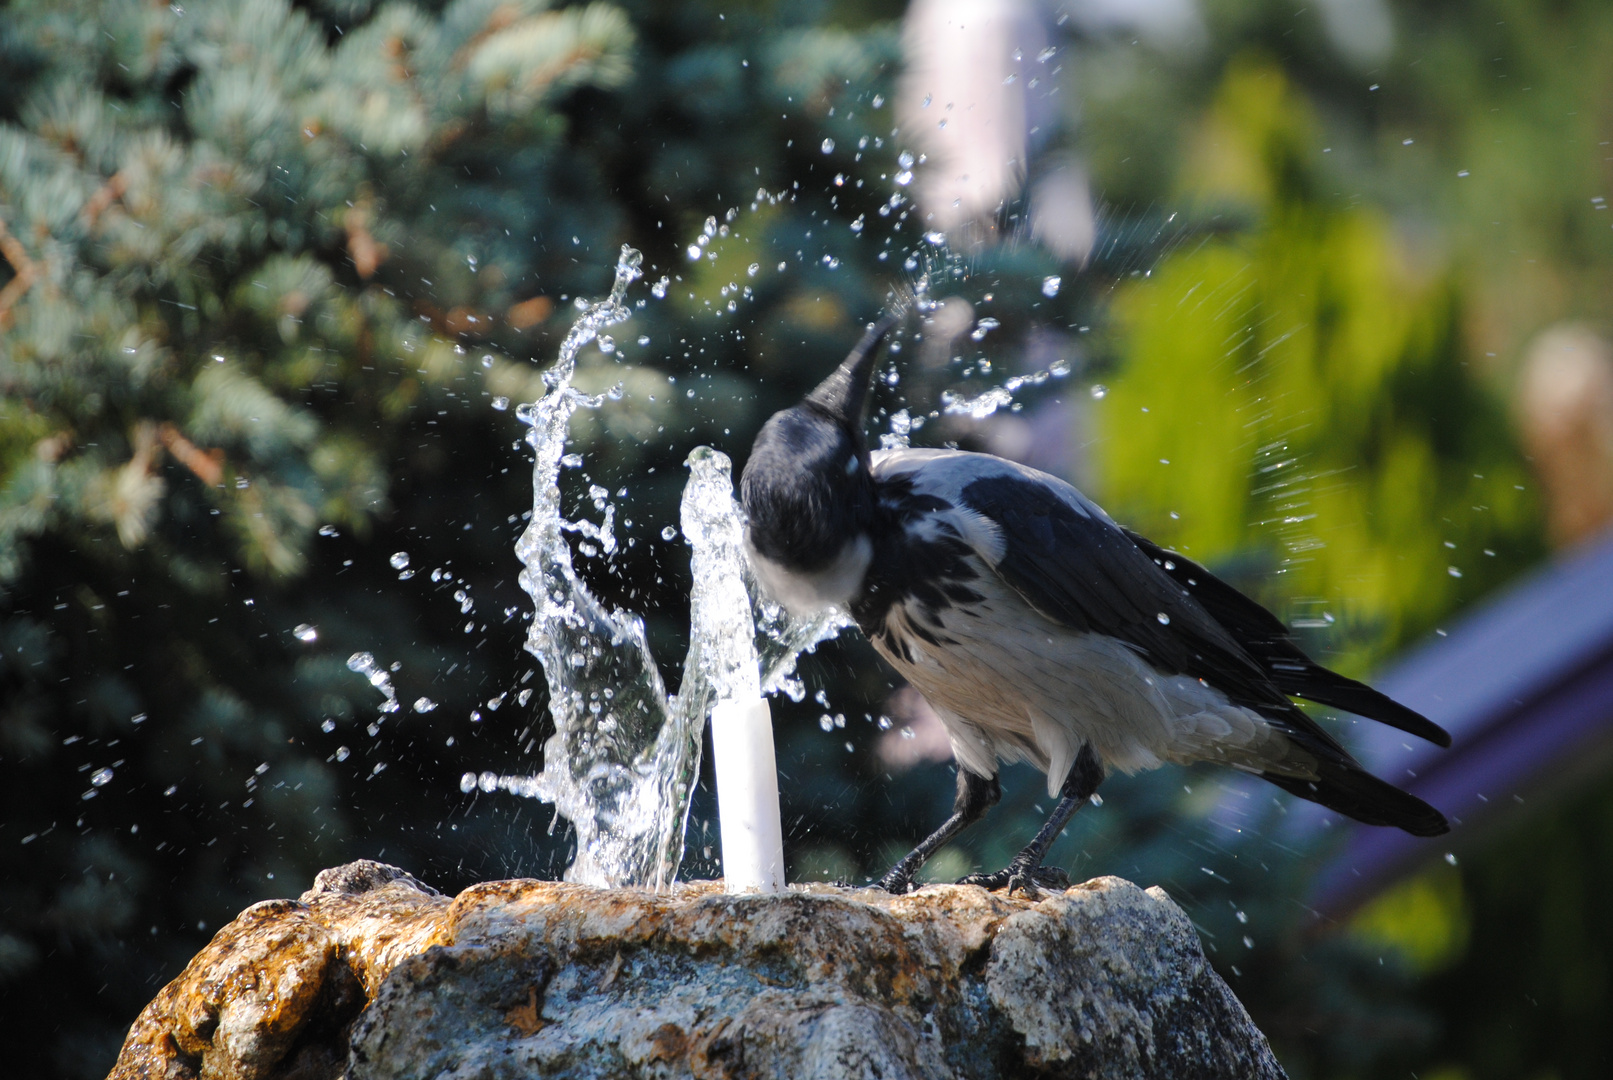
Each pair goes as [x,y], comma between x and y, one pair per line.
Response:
[1300,676]
[1268,641]
[1356,793]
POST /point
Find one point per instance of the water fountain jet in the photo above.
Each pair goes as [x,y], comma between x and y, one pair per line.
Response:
[625,754]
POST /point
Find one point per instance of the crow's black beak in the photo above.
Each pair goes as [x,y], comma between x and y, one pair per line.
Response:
[844,394]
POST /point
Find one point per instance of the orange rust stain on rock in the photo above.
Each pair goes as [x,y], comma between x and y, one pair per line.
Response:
[669,1042]
[524,1017]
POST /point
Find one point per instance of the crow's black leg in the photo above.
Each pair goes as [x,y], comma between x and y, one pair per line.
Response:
[976,795]
[1025,871]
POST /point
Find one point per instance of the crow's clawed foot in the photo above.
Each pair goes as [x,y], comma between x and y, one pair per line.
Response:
[896,883]
[1017,877]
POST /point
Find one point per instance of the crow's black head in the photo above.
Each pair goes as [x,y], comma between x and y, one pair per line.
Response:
[806,488]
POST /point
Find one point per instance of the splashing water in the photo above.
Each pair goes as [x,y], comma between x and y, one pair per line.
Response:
[625,756]
[998,397]
[364,664]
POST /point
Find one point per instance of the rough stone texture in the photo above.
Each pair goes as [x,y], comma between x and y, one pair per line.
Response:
[275,992]
[373,976]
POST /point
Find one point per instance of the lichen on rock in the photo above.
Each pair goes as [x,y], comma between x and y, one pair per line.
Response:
[372,976]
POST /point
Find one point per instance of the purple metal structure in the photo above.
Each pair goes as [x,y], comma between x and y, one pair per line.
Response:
[1525,687]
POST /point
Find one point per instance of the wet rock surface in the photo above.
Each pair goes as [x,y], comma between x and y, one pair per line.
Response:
[371,975]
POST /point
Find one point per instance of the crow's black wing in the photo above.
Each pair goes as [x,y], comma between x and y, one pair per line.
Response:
[1079,569]
[1267,640]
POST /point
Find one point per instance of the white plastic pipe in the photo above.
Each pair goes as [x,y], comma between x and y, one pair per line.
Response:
[747,796]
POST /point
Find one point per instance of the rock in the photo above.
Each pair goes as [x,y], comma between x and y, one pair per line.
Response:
[373,976]
[275,992]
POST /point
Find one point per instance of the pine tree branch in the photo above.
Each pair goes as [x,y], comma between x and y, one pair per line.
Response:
[208,465]
[25,269]
[109,193]
[366,252]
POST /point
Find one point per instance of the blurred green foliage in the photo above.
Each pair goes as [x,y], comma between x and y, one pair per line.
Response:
[1293,397]
[268,266]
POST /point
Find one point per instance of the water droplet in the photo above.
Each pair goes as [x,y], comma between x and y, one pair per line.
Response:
[753,269]
[607,344]
[1095,799]
[826,722]
[828,146]
[467,783]
[399,560]
[1453,571]
[658,290]
[669,533]
[1248,942]
[1164,619]
[523,697]
[1099,390]
[304,632]
[488,781]
[327,726]
[1450,857]
[487,360]
[501,403]
[904,177]
[424,704]
[327,530]
[101,777]
[936,237]
[1050,285]
[643,340]
[343,753]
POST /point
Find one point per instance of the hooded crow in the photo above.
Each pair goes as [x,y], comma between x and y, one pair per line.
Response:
[1038,629]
